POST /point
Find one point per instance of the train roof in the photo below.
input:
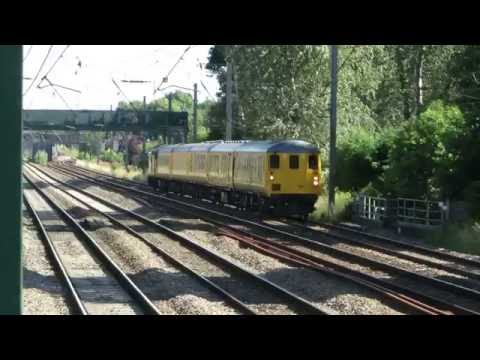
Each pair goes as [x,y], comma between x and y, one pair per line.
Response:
[163,148]
[270,146]
[227,146]
[284,146]
[200,147]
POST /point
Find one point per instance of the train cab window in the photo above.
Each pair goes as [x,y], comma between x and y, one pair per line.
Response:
[293,161]
[274,162]
[313,162]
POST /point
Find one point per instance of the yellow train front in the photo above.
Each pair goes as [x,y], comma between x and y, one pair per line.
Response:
[283,177]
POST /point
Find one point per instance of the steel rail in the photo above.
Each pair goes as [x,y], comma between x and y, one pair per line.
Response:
[74,298]
[413,247]
[391,252]
[360,278]
[458,289]
[298,259]
[366,280]
[239,305]
[286,294]
[122,278]
[419,248]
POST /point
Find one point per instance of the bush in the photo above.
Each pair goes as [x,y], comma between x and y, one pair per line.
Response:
[93,142]
[83,155]
[458,237]
[41,157]
[472,197]
[355,159]
[68,151]
[112,156]
[342,211]
[425,154]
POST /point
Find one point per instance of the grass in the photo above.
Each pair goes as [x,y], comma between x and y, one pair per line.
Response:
[342,199]
[68,151]
[457,237]
[114,169]
[108,162]
[41,157]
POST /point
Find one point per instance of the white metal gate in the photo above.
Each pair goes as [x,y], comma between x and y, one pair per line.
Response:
[403,211]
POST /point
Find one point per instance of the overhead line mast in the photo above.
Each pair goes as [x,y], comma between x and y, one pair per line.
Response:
[333,132]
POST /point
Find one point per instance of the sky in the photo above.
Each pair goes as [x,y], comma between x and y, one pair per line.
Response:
[89,69]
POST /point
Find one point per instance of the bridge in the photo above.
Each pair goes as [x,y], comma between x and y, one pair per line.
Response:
[45,128]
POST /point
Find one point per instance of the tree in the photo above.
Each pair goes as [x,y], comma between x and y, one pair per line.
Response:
[181,101]
[425,156]
[135,105]
[412,77]
[356,156]
[216,113]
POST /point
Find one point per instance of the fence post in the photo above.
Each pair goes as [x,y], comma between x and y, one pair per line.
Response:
[369,208]
[364,208]
[427,217]
[447,210]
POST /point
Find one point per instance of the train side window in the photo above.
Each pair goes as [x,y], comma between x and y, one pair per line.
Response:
[293,161]
[274,162]
[313,162]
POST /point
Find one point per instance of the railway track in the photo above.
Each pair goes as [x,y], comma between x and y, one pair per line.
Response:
[335,268]
[453,264]
[455,273]
[239,276]
[93,281]
[382,243]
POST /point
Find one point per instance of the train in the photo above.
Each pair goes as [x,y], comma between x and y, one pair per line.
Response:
[278,177]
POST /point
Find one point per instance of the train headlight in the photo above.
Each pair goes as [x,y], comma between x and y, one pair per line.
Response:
[315,178]
[272,178]
[315,183]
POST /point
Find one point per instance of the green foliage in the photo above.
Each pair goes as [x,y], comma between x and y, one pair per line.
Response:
[458,237]
[93,141]
[472,195]
[26,156]
[112,156]
[84,155]
[286,93]
[423,156]
[356,165]
[41,157]
[152,144]
[463,87]
[180,101]
[135,105]
[342,201]
[68,151]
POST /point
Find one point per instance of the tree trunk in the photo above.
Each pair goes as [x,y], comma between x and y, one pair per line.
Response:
[419,80]
[403,84]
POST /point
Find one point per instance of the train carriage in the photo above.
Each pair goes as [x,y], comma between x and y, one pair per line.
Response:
[220,164]
[284,176]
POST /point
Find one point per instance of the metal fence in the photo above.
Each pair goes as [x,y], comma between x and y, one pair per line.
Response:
[421,212]
[370,208]
[401,211]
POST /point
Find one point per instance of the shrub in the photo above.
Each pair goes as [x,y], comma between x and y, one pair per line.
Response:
[83,155]
[458,237]
[355,160]
[41,157]
[112,156]
[68,151]
[472,197]
[342,211]
[424,155]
